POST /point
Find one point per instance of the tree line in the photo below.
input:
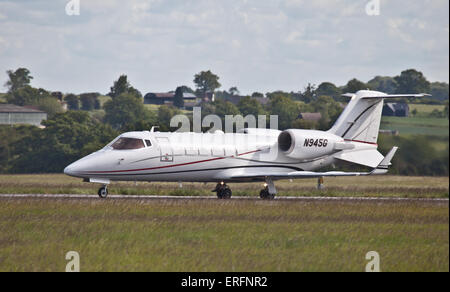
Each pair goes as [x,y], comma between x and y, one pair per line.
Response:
[71,135]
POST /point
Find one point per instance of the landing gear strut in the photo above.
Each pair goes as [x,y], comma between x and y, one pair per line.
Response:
[223,191]
[103,192]
[320,185]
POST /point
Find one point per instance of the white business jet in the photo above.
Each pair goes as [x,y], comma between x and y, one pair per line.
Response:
[251,155]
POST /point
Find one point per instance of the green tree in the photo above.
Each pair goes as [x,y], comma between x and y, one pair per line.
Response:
[223,108]
[50,105]
[439,91]
[165,115]
[66,138]
[384,84]
[206,81]
[72,102]
[250,106]
[328,89]
[40,98]
[18,79]
[234,90]
[257,94]
[8,139]
[354,86]
[178,100]
[279,93]
[286,109]
[329,109]
[412,81]
[122,86]
[124,109]
[89,101]
[26,95]
[187,89]
[309,94]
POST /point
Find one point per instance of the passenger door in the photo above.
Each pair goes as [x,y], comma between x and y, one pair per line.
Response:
[166,151]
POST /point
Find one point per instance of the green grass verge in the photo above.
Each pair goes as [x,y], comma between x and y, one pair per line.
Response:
[219,236]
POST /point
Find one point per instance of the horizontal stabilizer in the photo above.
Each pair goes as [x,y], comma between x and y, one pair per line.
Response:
[388,95]
[397,96]
[370,157]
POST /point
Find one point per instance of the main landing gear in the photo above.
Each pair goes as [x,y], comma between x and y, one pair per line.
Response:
[269,191]
[265,194]
[103,192]
[223,191]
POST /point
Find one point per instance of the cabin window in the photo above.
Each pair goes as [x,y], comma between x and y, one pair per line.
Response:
[148,143]
[128,144]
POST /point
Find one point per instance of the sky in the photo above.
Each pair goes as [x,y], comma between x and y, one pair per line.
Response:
[255,45]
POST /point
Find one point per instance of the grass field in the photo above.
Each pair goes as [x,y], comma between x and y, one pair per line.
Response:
[386,186]
[170,235]
[417,125]
[425,109]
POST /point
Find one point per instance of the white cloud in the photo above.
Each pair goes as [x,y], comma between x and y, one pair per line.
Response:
[253,44]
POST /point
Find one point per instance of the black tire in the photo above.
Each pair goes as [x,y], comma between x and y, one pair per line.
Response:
[219,194]
[226,194]
[265,195]
[103,192]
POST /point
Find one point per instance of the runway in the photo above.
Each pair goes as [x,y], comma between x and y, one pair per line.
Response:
[281,198]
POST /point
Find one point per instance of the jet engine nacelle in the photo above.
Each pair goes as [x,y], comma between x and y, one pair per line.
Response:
[307,144]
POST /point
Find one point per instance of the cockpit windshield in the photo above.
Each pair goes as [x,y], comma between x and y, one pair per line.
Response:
[128,144]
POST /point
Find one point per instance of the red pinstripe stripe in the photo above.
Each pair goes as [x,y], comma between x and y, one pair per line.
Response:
[370,143]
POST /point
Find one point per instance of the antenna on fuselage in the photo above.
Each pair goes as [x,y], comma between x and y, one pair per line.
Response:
[153,129]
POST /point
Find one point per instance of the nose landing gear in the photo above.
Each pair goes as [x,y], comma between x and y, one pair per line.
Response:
[223,191]
[103,192]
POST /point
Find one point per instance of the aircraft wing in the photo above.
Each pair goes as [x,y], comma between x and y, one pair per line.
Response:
[382,168]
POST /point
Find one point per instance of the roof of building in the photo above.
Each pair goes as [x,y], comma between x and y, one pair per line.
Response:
[189,95]
[310,116]
[262,100]
[11,108]
[169,95]
[161,95]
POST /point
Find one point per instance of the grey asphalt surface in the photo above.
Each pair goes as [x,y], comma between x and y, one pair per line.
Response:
[281,198]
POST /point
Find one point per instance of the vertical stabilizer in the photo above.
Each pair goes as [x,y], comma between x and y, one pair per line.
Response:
[360,120]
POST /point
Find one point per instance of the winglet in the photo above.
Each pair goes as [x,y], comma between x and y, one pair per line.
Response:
[383,167]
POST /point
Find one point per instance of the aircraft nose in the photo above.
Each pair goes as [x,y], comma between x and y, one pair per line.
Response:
[68,170]
[73,169]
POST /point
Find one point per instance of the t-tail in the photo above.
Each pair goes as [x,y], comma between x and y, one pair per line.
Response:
[360,120]
[360,123]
